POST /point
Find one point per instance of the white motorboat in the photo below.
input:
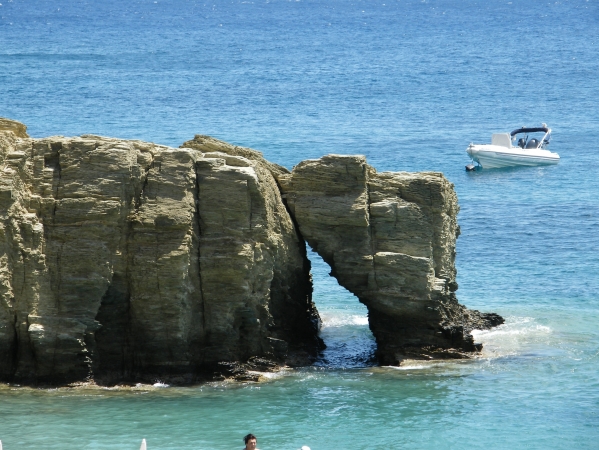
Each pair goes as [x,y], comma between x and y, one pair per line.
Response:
[521,147]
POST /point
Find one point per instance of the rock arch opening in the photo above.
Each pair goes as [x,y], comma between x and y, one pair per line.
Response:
[345,330]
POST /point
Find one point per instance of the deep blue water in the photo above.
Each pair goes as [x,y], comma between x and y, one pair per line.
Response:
[408,84]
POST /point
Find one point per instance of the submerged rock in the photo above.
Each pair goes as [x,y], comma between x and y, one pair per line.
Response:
[125,260]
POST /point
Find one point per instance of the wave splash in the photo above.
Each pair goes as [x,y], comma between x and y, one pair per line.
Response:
[349,341]
[515,336]
[330,320]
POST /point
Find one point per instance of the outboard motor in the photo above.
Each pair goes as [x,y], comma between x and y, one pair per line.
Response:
[533,143]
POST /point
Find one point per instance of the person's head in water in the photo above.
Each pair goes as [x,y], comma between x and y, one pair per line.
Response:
[250,442]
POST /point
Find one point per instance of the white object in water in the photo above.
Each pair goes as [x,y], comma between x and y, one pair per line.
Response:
[0,445]
[143,445]
[528,151]
[304,447]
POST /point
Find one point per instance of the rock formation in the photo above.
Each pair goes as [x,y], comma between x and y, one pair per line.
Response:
[129,261]
[124,260]
[390,240]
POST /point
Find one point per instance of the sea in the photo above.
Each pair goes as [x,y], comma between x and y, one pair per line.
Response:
[409,84]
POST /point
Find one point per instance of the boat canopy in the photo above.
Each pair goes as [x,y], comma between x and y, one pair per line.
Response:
[530,130]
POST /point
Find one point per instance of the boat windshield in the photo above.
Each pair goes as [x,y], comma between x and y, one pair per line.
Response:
[531,138]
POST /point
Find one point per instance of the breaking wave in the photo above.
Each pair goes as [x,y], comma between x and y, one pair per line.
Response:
[515,336]
[330,320]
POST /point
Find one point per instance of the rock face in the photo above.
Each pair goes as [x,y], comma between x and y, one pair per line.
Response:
[389,239]
[17,128]
[129,261]
[124,260]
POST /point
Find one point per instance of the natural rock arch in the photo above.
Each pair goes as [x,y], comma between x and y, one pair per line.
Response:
[389,239]
[127,260]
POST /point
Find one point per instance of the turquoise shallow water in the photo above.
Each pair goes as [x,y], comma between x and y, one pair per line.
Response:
[407,83]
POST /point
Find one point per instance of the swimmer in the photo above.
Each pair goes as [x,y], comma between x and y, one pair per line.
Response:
[250,442]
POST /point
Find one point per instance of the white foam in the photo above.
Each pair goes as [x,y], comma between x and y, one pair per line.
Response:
[270,375]
[141,386]
[336,321]
[409,366]
[512,337]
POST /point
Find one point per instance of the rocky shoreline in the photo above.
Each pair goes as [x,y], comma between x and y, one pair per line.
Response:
[127,261]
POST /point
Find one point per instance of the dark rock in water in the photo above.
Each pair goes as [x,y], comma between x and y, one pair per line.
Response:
[126,261]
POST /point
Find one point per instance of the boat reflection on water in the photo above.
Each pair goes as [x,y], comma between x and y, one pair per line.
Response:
[521,147]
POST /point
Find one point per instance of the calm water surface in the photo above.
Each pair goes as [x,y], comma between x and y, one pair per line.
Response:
[408,84]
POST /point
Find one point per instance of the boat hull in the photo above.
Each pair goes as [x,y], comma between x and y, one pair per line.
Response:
[495,157]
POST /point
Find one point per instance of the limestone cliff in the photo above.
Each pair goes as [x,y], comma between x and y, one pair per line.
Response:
[389,239]
[17,128]
[125,260]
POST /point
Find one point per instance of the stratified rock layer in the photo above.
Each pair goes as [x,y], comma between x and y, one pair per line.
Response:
[129,261]
[125,260]
[389,239]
